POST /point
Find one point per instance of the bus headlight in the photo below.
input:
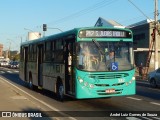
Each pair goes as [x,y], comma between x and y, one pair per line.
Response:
[131,81]
[80,80]
[85,83]
[133,78]
[91,86]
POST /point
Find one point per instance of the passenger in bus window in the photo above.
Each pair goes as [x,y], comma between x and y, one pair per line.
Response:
[94,57]
[110,56]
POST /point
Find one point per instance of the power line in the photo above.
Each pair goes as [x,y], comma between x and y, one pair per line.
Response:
[140,10]
[135,18]
[85,11]
[91,9]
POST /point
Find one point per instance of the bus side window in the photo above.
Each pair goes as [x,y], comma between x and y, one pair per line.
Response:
[48,54]
[53,50]
[58,51]
[22,53]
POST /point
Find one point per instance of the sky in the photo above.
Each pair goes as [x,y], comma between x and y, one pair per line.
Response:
[18,17]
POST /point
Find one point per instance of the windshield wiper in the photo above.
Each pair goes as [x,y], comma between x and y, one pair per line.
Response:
[101,52]
[99,47]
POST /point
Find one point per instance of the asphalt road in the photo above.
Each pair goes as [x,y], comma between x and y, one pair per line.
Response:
[146,100]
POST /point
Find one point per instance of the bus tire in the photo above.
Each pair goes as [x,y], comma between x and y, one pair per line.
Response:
[59,89]
[31,86]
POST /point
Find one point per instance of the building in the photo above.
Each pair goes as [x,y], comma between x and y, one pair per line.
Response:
[142,36]
[108,23]
[1,50]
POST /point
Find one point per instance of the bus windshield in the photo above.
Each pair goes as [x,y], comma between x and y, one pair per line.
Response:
[104,56]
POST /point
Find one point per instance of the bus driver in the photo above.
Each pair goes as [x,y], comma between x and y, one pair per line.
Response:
[110,56]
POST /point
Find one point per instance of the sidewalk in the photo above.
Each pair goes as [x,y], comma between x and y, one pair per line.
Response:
[11,101]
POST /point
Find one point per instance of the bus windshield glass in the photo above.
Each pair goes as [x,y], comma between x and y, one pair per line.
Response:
[104,56]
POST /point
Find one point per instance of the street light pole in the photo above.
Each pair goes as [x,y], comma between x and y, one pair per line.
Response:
[9,49]
[55,28]
[45,27]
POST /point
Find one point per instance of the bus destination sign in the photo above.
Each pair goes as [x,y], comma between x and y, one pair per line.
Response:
[104,33]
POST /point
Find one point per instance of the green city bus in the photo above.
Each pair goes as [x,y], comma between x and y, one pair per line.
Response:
[76,63]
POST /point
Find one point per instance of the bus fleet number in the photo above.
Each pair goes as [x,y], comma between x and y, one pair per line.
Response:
[121,80]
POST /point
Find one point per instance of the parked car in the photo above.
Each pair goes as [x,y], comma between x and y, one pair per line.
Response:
[13,64]
[4,63]
[154,78]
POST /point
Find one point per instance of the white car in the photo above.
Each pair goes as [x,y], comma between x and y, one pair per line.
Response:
[154,78]
[4,63]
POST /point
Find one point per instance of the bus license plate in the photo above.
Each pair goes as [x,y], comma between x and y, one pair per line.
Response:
[110,91]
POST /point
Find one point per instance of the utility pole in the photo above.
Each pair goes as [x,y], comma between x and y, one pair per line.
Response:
[9,51]
[156,35]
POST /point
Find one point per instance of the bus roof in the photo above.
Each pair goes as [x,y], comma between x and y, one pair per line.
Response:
[66,33]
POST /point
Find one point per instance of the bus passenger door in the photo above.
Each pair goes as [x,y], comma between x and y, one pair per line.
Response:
[40,65]
[25,62]
[69,68]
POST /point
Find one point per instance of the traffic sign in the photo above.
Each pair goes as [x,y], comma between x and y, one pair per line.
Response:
[114,66]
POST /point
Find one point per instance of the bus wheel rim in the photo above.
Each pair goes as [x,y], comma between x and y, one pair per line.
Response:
[30,84]
[61,90]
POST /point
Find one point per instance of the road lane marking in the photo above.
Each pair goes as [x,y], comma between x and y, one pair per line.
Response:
[133,98]
[155,103]
[42,102]
[2,72]
[147,118]
[157,118]
[144,82]
[155,89]
[132,118]
[9,71]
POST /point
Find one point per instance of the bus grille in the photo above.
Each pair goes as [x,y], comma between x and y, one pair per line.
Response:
[107,85]
[102,85]
[108,76]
